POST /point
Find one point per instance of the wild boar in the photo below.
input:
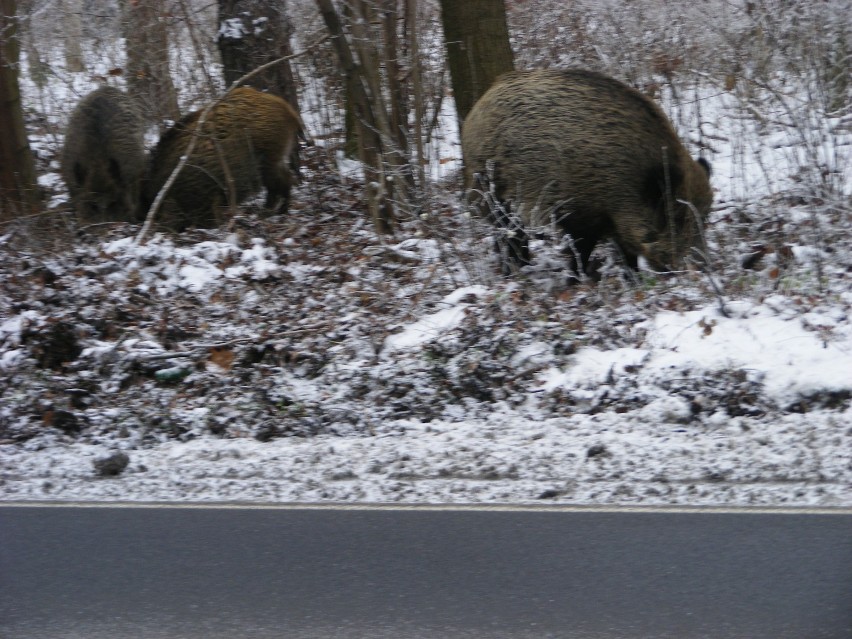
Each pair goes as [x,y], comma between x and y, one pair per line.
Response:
[591,155]
[103,158]
[248,141]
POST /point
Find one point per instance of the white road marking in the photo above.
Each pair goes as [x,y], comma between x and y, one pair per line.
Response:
[388,507]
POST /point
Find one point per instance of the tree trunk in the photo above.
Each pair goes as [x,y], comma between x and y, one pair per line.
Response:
[392,54]
[417,88]
[252,33]
[477,39]
[38,71]
[369,135]
[148,75]
[392,16]
[19,194]
[373,58]
[73,32]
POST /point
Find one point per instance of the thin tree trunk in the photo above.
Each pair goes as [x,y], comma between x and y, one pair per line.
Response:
[398,95]
[369,137]
[19,194]
[398,101]
[37,69]
[73,32]
[417,87]
[369,53]
[191,23]
[148,75]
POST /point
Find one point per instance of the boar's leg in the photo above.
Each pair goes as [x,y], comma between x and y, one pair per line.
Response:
[630,258]
[579,252]
[278,180]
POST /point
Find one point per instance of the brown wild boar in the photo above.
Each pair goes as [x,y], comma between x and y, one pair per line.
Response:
[590,154]
[248,142]
[103,158]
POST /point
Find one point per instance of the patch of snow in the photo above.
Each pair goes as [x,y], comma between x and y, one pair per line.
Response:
[428,328]
[791,361]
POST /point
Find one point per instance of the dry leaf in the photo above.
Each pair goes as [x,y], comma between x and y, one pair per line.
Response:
[222,357]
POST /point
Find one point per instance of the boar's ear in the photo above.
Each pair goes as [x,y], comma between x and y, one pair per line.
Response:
[706,166]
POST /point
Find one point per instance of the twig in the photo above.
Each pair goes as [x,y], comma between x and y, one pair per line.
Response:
[27,217]
[723,310]
[196,350]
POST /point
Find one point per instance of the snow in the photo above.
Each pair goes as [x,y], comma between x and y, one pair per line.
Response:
[500,459]
[302,359]
[791,361]
[232,29]
[431,326]
[655,453]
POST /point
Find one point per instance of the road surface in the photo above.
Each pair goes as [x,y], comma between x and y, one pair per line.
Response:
[234,572]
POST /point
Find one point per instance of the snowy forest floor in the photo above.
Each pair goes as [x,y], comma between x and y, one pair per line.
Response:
[303,358]
[300,358]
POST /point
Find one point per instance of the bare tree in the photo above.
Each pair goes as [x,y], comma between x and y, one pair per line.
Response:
[252,33]
[379,55]
[391,13]
[478,50]
[19,193]
[361,90]
[37,69]
[148,76]
[417,88]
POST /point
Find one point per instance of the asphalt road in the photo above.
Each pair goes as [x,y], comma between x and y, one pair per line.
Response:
[298,573]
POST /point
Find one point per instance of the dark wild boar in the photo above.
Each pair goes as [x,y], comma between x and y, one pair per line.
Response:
[592,155]
[248,142]
[103,159]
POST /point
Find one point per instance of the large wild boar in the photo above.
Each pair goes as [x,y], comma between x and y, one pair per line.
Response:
[592,155]
[103,159]
[247,142]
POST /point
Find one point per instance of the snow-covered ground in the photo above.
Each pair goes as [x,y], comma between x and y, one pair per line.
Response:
[303,359]
[646,459]
[683,407]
